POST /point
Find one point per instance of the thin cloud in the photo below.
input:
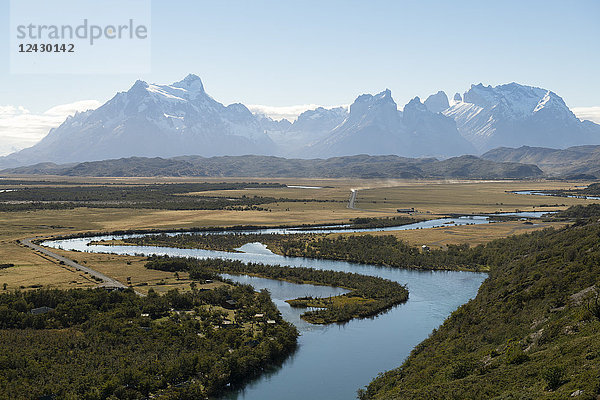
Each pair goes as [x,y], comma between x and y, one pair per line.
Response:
[589,113]
[285,112]
[20,128]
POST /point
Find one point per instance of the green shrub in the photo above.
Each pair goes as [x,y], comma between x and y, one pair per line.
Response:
[554,377]
[460,370]
[593,306]
[515,355]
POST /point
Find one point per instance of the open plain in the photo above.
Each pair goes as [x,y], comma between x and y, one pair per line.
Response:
[303,201]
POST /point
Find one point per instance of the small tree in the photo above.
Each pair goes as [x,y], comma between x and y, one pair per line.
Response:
[361,394]
[593,305]
[554,377]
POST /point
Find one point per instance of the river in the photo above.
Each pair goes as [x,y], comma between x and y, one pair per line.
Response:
[332,361]
[539,193]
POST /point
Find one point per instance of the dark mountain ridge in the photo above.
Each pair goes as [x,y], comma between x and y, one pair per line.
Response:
[359,166]
[573,162]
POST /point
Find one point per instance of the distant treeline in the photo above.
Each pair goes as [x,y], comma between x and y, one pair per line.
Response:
[24,182]
[221,242]
[154,196]
[592,190]
[369,295]
[372,223]
[198,203]
[95,344]
[384,250]
[579,212]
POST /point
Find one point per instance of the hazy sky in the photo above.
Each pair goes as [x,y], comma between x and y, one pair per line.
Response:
[328,52]
[286,53]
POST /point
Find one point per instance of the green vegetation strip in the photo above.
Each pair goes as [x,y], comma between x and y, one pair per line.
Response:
[95,344]
[384,250]
[369,295]
[532,332]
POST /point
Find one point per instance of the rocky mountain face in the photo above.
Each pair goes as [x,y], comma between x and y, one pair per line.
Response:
[309,128]
[180,119]
[375,126]
[436,103]
[515,115]
[152,120]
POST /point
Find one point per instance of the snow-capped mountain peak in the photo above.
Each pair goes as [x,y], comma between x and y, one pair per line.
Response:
[191,83]
[415,104]
[181,119]
[154,120]
[514,115]
[375,126]
[437,102]
[367,105]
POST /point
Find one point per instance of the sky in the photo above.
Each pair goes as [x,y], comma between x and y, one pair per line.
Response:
[298,53]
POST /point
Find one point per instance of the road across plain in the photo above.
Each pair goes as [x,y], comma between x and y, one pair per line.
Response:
[352,199]
[106,281]
[352,205]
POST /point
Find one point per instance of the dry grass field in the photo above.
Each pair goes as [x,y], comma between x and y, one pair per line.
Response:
[33,270]
[465,197]
[375,199]
[471,234]
[141,278]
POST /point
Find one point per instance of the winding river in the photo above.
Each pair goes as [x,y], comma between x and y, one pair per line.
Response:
[333,361]
[540,193]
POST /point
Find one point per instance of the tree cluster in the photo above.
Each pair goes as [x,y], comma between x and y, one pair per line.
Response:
[95,344]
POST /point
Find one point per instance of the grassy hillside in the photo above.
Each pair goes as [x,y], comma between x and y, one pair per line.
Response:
[532,332]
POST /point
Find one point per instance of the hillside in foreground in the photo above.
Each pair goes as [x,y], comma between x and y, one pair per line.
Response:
[532,332]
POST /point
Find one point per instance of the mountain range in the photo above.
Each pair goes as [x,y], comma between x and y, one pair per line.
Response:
[359,166]
[181,119]
[514,115]
[578,162]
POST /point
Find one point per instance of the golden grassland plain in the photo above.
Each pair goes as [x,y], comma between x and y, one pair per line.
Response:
[376,198]
[465,197]
[471,234]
